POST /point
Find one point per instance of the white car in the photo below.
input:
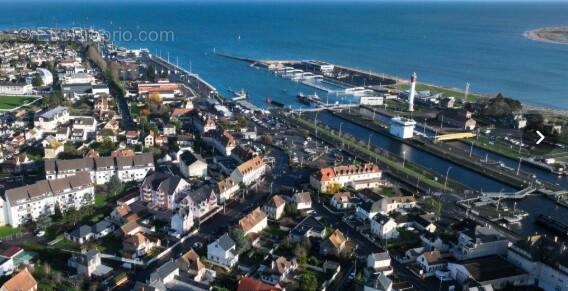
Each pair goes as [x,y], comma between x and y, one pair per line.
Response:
[40,233]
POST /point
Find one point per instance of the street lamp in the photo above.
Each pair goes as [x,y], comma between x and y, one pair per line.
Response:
[403,158]
[446,180]
[369,142]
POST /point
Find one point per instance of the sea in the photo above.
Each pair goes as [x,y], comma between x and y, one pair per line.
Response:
[445,42]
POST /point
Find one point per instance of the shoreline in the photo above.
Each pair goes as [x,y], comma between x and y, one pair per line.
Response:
[547,34]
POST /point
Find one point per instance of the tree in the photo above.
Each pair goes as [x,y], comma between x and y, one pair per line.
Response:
[115,185]
[242,241]
[155,97]
[300,251]
[37,81]
[57,213]
[291,210]
[308,282]
[150,74]
[359,277]
[114,70]
[43,221]
[242,122]
[73,215]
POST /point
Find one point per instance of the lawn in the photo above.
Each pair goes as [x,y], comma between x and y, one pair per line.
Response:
[100,200]
[11,102]
[8,231]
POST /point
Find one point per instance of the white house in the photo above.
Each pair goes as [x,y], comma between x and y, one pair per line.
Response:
[478,242]
[223,251]
[182,221]
[249,171]
[7,260]
[254,222]
[303,200]
[384,227]
[274,208]
[11,88]
[389,204]
[191,165]
[430,262]
[380,262]
[201,201]
[226,189]
[50,119]
[342,200]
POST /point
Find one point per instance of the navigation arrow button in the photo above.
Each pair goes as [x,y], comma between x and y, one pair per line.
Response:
[541,137]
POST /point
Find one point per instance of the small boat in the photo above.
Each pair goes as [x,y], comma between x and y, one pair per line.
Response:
[303,99]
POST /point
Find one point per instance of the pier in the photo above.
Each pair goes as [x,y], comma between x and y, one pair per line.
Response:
[512,195]
[552,224]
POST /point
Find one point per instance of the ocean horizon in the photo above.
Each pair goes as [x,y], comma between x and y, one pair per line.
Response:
[445,43]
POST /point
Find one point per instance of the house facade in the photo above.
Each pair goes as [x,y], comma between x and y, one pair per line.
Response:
[223,251]
[29,202]
[356,176]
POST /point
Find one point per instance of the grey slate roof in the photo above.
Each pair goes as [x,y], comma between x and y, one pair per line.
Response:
[226,242]
[47,187]
[90,163]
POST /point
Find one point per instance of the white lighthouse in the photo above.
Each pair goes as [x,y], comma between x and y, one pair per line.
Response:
[412,92]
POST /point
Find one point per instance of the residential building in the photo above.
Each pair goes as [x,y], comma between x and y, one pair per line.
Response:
[492,271]
[101,169]
[120,213]
[457,118]
[544,259]
[278,270]
[170,130]
[333,244]
[223,251]
[132,137]
[378,283]
[23,281]
[368,210]
[249,171]
[86,123]
[163,190]
[7,266]
[191,165]
[356,176]
[88,263]
[342,200]
[86,233]
[164,274]
[303,200]
[182,221]
[29,202]
[201,201]
[479,242]
[191,263]
[12,88]
[380,262]
[49,120]
[274,208]
[138,245]
[226,188]
[203,123]
[254,222]
[308,227]
[389,204]
[384,227]
[149,140]
[429,262]
[223,141]
[250,284]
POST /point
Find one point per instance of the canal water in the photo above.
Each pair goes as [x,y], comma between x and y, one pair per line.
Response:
[415,155]
[533,205]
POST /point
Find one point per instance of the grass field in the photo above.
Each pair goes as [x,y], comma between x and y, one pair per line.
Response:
[11,102]
[7,231]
